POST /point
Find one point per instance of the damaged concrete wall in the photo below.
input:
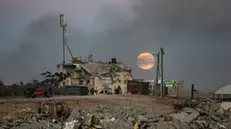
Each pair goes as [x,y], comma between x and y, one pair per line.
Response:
[120,80]
[69,81]
[80,77]
[97,84]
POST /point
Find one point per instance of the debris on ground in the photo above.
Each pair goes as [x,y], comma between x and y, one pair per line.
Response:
[203,114]
[200,114]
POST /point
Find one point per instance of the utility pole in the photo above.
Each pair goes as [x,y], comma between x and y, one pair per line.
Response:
[162,72]
[157,89]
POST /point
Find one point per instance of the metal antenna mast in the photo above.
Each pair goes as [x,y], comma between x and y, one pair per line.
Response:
[65,39]
[63,25]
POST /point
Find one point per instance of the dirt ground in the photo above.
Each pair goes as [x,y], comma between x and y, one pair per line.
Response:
[22,107]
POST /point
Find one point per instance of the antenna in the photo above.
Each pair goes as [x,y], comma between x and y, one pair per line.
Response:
[63,25]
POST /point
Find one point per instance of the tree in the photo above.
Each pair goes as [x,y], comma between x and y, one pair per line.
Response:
[53,79]
[47,77]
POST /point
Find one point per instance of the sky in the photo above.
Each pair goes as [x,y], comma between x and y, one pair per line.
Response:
[195,35]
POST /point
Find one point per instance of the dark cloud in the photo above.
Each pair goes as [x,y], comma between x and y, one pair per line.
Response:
[195,35]
[37,50]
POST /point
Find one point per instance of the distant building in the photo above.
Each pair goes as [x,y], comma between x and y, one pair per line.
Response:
[102,76]
[175,90]
[138,86]
[151,84]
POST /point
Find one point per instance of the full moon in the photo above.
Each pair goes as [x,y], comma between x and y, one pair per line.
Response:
[145,61]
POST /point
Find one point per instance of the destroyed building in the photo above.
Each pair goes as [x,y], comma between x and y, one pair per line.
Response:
[104,77]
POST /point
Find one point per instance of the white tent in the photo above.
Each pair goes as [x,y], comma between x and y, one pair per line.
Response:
[225,90]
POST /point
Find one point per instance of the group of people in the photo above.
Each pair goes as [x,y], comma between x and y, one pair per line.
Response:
[118,90]
[93,91]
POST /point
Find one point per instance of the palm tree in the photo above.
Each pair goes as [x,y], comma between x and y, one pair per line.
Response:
[53,79]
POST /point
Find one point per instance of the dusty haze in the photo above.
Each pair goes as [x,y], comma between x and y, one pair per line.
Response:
[195,35]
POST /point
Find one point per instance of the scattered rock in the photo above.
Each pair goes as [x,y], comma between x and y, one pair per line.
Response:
[54,121]
[5,127]
[230,117]
[198,114]
[34,119]
[162,125]
[72,125]
[187,115]
[142,118]
[226,105]
[131,119]
[215,106]
[27,109]
[75,114]
[221,111]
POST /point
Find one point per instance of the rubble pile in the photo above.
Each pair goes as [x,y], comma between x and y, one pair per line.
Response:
[194,115]
[35,121]
[113,117]
[201,114]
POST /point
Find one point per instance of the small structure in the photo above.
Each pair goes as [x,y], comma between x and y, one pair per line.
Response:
[138,87]
[223,93]
[177,90]
[151,84]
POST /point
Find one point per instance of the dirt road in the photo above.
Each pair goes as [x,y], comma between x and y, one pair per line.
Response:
[56,98]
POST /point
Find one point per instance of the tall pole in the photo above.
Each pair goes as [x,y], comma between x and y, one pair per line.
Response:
[192,91]
[63,28]
[157,90]
[162,72]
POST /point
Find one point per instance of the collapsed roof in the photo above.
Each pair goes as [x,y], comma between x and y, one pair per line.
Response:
[98,68]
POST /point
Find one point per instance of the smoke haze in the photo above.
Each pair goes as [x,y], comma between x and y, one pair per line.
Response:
[195,35]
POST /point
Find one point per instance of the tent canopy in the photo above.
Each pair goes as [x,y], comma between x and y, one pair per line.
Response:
[224,90]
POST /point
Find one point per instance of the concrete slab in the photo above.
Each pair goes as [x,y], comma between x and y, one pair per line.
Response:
[226,105]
